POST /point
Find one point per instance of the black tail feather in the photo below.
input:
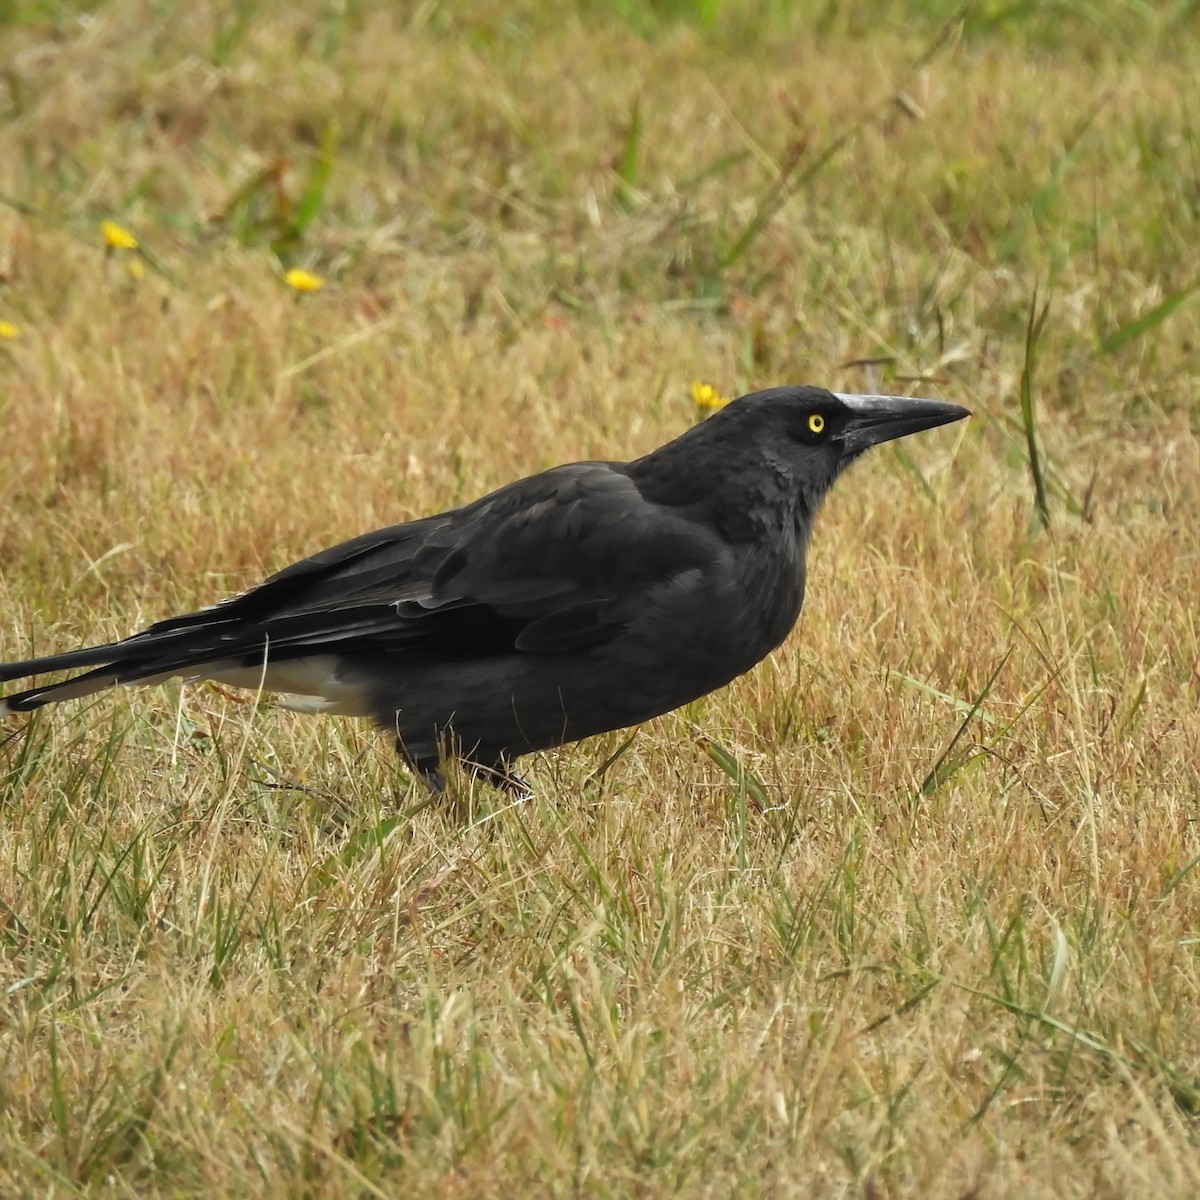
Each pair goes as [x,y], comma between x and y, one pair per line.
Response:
[91,656]
[67,689]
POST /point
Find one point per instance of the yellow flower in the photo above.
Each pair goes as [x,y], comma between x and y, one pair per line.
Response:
[303,281]
[8,329]
[135,268]
[116,237]
[706,397]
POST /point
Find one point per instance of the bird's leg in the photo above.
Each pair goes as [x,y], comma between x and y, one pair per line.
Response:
[427,770]
[431,776]
[502,777]
[499,774]
[510,783]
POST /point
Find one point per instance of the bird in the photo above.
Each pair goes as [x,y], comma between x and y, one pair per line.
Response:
[590,597]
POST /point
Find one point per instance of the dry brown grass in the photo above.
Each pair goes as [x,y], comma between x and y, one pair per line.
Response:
[235,961]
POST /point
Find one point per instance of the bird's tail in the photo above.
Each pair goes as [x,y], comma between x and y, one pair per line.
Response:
[102,658]
[68,689]
[148,657]
[219,642]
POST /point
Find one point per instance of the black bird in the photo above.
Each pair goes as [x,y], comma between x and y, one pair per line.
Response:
[587,598]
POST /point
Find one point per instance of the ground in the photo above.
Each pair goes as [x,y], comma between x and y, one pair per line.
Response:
[912,909]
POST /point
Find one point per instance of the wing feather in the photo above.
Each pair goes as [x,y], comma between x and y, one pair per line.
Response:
[557,562]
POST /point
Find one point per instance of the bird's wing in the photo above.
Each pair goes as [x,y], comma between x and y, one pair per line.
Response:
[556,562]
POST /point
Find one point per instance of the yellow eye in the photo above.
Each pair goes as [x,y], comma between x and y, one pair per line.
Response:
[816,423]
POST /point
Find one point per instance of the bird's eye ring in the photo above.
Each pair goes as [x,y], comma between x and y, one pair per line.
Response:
[816,423]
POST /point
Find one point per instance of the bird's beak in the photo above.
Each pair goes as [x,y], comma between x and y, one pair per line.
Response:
[876,419]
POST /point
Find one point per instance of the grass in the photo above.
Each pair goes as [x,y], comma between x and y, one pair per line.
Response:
[908,910]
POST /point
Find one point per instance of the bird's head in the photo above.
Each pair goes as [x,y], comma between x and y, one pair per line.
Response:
[813,435]
[778,448]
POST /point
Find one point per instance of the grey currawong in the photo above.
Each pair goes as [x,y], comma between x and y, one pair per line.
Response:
[590,597]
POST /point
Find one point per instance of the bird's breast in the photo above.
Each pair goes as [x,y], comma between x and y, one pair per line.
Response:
[706,628]
[773,595]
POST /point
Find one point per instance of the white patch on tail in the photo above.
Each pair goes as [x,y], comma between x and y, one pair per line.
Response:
[308,685]
[315,705]
[311,685]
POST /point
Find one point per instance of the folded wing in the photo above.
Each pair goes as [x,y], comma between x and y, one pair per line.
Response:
[555,563]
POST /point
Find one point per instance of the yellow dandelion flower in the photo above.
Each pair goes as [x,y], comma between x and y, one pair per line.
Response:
[117,237]
[135,268]
[303,281]
[8,329]
[706,397]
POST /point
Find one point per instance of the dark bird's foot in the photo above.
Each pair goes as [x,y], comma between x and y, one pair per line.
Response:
[499,775]
[503,778]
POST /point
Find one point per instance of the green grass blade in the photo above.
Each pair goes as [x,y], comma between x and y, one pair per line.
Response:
[955,702]
[1132,330]
[1179,876]
[629,162]
[945,767]
[1033,331]
[312,199]
[745,780]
